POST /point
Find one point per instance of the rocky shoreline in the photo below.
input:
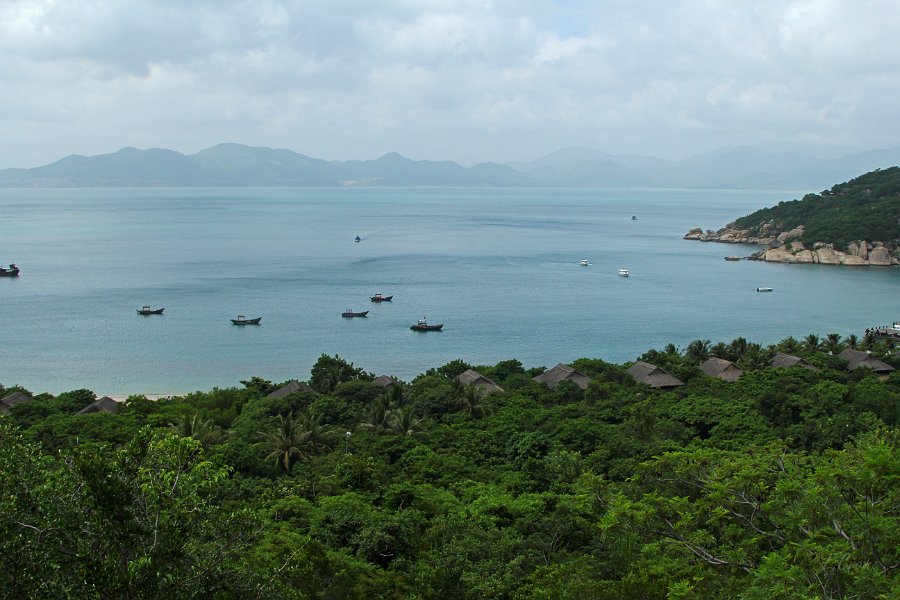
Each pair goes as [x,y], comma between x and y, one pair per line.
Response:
[786,247]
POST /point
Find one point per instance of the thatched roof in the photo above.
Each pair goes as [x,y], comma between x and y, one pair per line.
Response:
[858,358]
[11,400]
[789,360]
[289,388]
[561,372]
[471,377]
[385,381]
[653,376]
[721,368]
[104,404]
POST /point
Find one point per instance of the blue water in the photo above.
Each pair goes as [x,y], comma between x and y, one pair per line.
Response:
[500,268]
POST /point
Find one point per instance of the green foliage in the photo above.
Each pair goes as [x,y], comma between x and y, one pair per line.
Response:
[782,484]
[329,371]
[865,208]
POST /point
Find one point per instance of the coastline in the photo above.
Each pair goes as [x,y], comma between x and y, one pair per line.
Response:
[787,248]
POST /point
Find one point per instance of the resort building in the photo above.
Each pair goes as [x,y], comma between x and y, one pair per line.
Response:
[561,372]
[653,376]
[722,369]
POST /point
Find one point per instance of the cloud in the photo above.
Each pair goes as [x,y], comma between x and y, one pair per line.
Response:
[467,80]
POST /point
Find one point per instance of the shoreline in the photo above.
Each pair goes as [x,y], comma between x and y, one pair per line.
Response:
[787,248]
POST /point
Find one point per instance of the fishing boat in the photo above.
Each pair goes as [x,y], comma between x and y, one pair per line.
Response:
[12,271]
[350,314]
[422,325]
[732,258]
[357,239]
[241,320]
[763,289]
[146,310]
[584,262]
[623,273]
[380,298]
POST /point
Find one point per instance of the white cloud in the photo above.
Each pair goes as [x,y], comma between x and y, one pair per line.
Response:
[467,80]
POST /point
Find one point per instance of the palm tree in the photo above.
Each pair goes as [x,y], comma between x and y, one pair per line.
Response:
[471,397]
[852,341]
[869,340]
[697,351]
[193,426]
[789,344]
[832,344]
[755,357]
[720,350]
[404,421]
[378,414]
[738,348]
[295,439]
[812,342]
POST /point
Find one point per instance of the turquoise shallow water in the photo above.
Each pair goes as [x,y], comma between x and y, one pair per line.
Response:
[500,268]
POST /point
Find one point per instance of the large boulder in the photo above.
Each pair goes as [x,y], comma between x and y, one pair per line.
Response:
[779,255]
[804,256]
[851,260]
[693,234]
[880,257]
[827,256]
[794,233]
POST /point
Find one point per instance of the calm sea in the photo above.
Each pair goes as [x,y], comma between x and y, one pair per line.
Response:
[499,267]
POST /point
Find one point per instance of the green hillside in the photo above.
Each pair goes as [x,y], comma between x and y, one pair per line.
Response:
[865,208]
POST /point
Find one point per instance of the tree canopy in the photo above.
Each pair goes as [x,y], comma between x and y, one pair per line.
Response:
[782,484]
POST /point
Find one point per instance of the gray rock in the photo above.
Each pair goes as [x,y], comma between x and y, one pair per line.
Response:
[851,260]
[826,256]
[880,257]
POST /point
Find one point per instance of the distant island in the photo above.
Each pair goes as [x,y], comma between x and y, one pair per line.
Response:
[856,223]
[236,165]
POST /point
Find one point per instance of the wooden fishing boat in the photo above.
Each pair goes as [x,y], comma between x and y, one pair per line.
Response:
[11,271]
[422,325]
[241,320]
[380,298]
[150,311]
[350,314]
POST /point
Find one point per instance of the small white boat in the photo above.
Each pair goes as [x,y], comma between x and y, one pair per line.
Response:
[763,289]
[584,262]
[623,273]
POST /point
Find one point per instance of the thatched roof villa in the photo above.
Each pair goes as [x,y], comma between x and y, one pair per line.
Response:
[10,400]
[104,404]
[385,381]
[552,377]
[472,377]
[290,387]
[653,376]
[721,369]
[857,358]
[785,361]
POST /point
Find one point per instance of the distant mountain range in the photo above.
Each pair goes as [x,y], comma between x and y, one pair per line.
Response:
[750,167]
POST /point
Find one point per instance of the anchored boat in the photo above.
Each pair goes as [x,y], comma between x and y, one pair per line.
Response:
[241,320]
[422,325]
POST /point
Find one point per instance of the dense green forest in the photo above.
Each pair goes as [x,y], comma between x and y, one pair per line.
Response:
[865,208]
[782,484]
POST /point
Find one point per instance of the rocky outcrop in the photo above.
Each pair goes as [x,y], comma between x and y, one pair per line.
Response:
[881,257]
[786,247]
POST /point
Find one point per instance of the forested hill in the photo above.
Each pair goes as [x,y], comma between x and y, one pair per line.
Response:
[865,208]
[767,481]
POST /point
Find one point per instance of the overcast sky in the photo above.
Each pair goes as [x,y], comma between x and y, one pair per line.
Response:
[463,80]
